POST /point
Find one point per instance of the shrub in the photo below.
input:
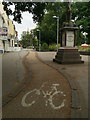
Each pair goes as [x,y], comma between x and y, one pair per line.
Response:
[53,47]
[44,46]
[37,48]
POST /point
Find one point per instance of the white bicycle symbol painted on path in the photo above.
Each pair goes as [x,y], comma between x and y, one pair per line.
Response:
[49,95]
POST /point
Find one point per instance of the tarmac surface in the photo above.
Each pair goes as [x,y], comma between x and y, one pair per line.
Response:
[13,70]
[48,94]
[77,75]
[53,91]
[0,87]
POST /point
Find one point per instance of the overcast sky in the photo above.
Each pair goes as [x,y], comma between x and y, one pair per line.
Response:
[27,23]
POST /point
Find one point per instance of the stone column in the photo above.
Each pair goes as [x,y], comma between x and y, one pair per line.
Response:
[68,52]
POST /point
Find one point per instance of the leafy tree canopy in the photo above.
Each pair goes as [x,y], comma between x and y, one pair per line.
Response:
[37,9]
[28,39]
[43,14]
[81,14]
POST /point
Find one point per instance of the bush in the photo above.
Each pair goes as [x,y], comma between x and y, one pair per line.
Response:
[37,48]
[53,47]
[44,46]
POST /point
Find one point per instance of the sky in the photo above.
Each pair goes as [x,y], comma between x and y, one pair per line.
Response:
[27,23]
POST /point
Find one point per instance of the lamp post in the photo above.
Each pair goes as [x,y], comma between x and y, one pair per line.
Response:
[57,29]
[39,38]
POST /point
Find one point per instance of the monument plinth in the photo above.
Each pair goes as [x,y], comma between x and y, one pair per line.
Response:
[68,52]
[68,34]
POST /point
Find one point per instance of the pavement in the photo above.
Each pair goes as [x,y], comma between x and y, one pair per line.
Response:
[48,94]
[77,75]
[13,70]
[46,79]
[13,74]
[0,86]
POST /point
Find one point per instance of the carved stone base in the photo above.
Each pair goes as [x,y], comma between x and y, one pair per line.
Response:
[67,55]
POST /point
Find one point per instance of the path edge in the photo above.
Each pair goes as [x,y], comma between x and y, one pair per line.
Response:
[11,95]
[75,101]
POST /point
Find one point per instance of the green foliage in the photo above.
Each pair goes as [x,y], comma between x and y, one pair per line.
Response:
[49,24]
[37,48]
[37,9]
[52,47]
[28,39]
[83,48]
[44,46]
[43,14]
[80,38]
[25,39]
[81,11]
[57,9]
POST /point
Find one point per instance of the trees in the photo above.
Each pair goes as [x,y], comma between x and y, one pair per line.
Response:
[81,14]
[43,14]
[48,25]
[25,39]
[37,9]
[28,39]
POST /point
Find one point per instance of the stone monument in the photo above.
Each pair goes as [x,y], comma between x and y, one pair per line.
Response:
[68,52]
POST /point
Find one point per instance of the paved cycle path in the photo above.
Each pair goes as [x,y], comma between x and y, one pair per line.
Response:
[78,76]
[48,95]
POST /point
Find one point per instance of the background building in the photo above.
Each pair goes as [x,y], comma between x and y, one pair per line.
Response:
[8,33]
[11,33]
[3,29]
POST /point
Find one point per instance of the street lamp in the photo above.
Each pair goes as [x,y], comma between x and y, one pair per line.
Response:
[57,29]
[39,38]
